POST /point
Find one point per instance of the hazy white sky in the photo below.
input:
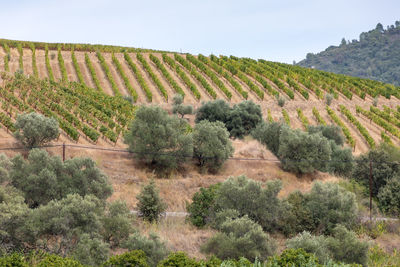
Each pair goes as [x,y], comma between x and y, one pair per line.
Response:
[278,30]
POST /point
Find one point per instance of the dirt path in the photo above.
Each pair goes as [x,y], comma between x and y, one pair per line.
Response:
[14,60]
[41,64]
[54,65]
[27,61]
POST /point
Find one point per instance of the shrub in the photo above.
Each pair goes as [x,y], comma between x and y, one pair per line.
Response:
[331,132]
[342,160]
[328,99]
[268,134]
[150,205]
[91,250]
[241,237]
[154,249]
[317,245]
[248,197]
[300,218]
[179,108]
[159,140]
[14,259]
[301,152]
[135,258]
[389,196]
[384,166]
[375,101]
[116,223]
[34,129]
[211,145]
[294,257]
[203,205]
[243,118]
[331,205]
[281,101]
[217,110]
[178,259]
[42,177]
[51,260]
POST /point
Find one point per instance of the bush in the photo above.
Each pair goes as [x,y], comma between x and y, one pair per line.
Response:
[331,205]
[135,258]
[301,152]
[159,140]
[91,250]
[154,249]
[343,246]
[342,161]
[217,110]
[51,260]
[150,205]
[243,118]
[5,167]
[331,132]
[179,108]
[384,166]
[14,259]
[116,223]
[241,237]
[43,178]
[389,197]
[179,259]
[328,99]
[300,217]
[281,101]
[34,129]
[268,134]
[212,146]
[248,197]
[294,257]
[203,205]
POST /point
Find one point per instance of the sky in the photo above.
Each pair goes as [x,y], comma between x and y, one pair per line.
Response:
[276,30]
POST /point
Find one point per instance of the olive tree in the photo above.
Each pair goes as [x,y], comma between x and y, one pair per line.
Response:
[179,108]
[159,140]
[211,145]
[33,129]
[217,110]
[243,118]
[150,205]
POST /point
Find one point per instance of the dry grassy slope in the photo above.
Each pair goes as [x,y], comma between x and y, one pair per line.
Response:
[269,102]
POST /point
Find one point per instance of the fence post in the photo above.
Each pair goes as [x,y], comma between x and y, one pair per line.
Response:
[63,152]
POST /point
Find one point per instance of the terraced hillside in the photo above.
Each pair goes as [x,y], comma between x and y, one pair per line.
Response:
[100,115]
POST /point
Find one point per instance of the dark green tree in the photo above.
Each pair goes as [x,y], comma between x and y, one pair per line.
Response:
[243,118]
[150,205]
[217,110]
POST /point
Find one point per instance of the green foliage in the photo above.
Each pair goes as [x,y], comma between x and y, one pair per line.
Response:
[373,56]
[301,152]
[48,66]
[64,75]
[338,121]
[159,140]
[331,132]
[240,237]
[116,223]
[342,161]
[217,110]
[43,178]
[303,118]
[384,160]
[107,71]
[154,249]
[343,246]
[178,259]
[328,99]
[34,65]
[152,75]
[76,67]
[7,57]
[90,250]
[268,134]
[211,145]
[286,117]
[121,73]
[138,76]
[243,118]
[389,196]
[179,108]
[250,198]
[135,258]
[294,257]
[150,205]
[92,71]
[318,116]
[203,204]
[33,129]
[51,260]
[378,257]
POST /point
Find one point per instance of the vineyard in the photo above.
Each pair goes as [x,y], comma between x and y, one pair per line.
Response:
[88,89]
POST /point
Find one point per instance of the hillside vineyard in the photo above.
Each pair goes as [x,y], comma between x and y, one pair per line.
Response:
[85,88]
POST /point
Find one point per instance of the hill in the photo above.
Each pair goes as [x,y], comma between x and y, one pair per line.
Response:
[376,55]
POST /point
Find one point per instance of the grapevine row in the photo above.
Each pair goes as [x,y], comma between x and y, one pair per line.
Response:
[48,66]
[318,117]
[378,120]
[269,116]
[386,116]
[127,83]
[182,75]
[303,118]
[92,71]
[338,121]
[286,116]
[77,68]
[152,75]
[34,65]
[7,57]
[61,63]
[166,74]
[359,126]
[21,57]
[196,75]
[139,77]
[107,71]
[210,74]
